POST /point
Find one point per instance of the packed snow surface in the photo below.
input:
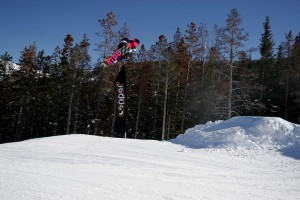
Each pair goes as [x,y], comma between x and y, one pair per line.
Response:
[242,158]
[243,132]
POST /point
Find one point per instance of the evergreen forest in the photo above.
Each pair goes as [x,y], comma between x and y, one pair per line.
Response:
[197,76]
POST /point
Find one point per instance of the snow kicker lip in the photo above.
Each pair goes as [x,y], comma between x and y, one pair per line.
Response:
[242,132]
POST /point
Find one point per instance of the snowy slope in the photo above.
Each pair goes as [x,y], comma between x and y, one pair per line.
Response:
[243,132]
[89,167]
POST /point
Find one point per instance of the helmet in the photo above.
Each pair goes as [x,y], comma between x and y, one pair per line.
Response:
[136,40]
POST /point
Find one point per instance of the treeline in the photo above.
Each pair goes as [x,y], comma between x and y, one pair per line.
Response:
[191,78]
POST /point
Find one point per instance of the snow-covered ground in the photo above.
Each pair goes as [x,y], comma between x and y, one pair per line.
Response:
[241,158]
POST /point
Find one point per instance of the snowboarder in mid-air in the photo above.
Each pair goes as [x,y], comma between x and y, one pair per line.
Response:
[125,47]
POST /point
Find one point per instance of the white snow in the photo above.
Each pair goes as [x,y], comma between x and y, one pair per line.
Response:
[243,132]
[10,67]
[241,158]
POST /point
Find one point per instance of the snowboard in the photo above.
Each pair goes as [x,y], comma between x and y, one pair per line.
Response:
[117,55]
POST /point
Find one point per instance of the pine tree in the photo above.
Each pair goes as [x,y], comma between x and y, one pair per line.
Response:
[83,109]
[245,86]
[124,32]
[191,39]
[185,76]
[5,64]
[108,43]
[295,78]
[267,63]
[164,72]
[68,66]
[143,70]
[6,118]
[280,56]
[202,49]
[191,42]
[218,69]
[296,53]
[178,46]
[67,51]
[176,38]
[85,58]
[108,35]
[57,73]
[26,96]
[234,37]
[267,43]
[288,71]
[42,102]
[157,57]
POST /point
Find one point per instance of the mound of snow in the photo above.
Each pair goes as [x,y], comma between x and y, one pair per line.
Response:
[243,132]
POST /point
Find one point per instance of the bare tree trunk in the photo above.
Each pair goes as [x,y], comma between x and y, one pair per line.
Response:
[19,124]
[185,96]
[169,124]
[183,109]
[229,93]
[203,62]
[165,107]
[97,116]
[57,111]
[262,82]
[71,103]
[97,108]
[75,120]
[286,95]
[138,115]
[229,103]
[76,109]
[46,125]
[156,103]
[114,118]
[69,111]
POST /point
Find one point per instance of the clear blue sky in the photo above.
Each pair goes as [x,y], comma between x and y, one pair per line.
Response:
[47,23]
